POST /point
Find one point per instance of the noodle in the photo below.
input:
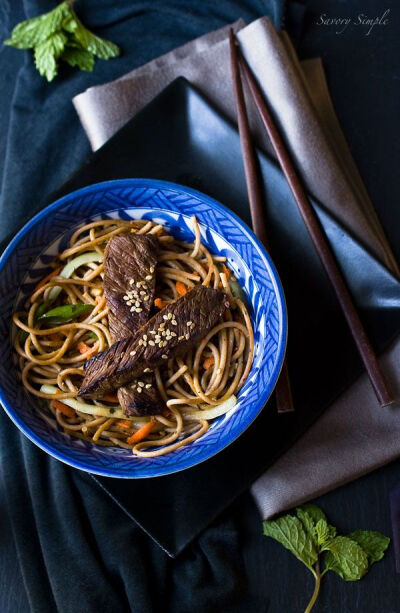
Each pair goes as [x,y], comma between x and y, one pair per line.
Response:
[54,354]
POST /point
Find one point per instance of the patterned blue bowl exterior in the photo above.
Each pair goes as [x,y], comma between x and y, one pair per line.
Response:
[27,259]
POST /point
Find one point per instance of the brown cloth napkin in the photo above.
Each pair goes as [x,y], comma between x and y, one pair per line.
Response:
[355,435]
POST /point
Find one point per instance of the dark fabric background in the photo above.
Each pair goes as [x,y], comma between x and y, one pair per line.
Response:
[76,551]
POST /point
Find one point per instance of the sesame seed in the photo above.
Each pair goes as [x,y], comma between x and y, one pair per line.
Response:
[145,337]
[147,370]
[140,341]
[138,284]
[151,269]
[146,298]
[169,315]
[148,277]
[189,323]
[139,389]
[148,386]
[180,338]
[164,357]
[173,333]
[165,317]
[151,343]
[139,310]
[174,322]
[187,336]
[152,332]
[131,281]
[132,309]
[162,326]
[132,352]
[140,384]
[126,298]
[192,326]
[137,303]
[142,292]
[144,343]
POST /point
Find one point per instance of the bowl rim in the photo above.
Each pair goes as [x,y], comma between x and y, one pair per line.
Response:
[213,203]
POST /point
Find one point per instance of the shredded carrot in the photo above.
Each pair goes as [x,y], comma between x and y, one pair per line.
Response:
[228,273]
[181,288]
[63,408]
[111,397]
[208,362]
[141,433]
[99,299]
[133,230]
[83,348]
[123,423]
[51,274]
[160,304]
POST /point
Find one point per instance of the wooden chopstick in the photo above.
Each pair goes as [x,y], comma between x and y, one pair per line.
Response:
[319,239]
[284,400]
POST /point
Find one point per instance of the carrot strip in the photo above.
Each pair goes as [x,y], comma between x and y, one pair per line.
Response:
[133,230]
[181,288]
[208,362]
[111,397]
[141,433]
[83,348]
[228,273]
[63,408]
[123,423]
[51,274]
[160,304]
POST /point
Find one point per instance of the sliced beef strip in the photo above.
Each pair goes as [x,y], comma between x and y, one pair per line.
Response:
[129,286]
[147,401]
[170,332]
[129,282]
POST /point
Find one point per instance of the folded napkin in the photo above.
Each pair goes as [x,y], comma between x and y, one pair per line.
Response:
[355,435]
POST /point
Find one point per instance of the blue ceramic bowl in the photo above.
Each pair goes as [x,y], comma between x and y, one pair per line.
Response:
[27,258]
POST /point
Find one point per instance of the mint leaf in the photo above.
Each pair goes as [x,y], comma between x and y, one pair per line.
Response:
[46,54]
[373,543]
[32,32]
[75,56]
[307,522]
[100,47]
[289,531]
[314,512]
[346,558]
[324,533]
[315,524]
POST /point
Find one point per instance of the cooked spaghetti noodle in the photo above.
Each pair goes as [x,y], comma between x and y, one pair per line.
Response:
[196,387]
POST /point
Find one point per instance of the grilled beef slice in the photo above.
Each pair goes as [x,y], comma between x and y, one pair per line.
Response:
[129,282]
[141,396]
[170,332]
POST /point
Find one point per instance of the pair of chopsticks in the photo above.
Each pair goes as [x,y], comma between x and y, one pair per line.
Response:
[310,219]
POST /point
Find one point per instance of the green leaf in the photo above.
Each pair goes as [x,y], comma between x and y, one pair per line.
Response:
[373,543]
[100,47]
[315,523]
[32,32]
[46,54]
[315,512]
[78,57]
[289,531]
[346,558]
[66,313]
[324,533]
[307,522]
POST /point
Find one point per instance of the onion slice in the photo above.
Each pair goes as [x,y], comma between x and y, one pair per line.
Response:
[69,269]
[216,411]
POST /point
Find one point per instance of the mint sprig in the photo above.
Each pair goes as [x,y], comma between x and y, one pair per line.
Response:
[59,35]
[313,541]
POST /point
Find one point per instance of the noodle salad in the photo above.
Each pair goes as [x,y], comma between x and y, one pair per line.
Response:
[65,324]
